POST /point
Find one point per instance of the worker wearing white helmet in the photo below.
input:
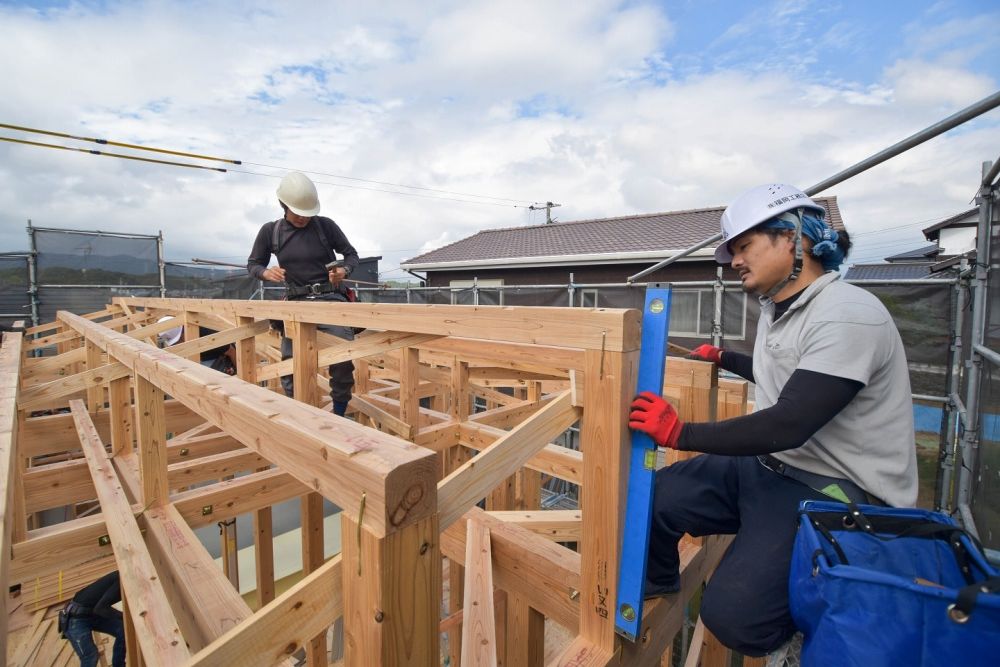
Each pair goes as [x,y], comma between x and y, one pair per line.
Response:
[834,419]
[305,243]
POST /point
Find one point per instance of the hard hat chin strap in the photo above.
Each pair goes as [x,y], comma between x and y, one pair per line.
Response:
[794,217]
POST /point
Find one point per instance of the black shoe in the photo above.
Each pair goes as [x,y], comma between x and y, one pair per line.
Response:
[660,590]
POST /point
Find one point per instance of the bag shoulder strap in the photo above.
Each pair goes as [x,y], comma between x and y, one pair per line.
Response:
[322,239]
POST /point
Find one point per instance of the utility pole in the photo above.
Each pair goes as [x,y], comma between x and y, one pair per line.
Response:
[548,210]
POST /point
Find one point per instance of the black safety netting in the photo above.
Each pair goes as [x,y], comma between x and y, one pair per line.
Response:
[15,299]
[93,258]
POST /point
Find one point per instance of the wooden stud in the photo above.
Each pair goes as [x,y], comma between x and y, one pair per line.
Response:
[120,417]
[151,438]
[479,633]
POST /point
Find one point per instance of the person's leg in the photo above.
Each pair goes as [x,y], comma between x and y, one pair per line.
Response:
[745,603]
[342,374]
[116,628]
[78,632]
[698,497]
[287,382]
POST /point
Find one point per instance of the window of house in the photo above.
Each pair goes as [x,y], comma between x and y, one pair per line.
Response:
[691,312]
[463,294]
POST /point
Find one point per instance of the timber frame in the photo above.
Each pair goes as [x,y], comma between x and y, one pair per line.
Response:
[160,444]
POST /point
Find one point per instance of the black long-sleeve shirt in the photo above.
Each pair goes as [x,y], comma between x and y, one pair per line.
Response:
[807,402]
[100,595]
[301,254]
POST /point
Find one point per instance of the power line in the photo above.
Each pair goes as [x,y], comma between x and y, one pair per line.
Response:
[456,198]
[106,154]
[114,143]
[390,192]
[394,185]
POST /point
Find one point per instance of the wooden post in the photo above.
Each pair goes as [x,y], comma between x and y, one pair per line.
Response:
[610,385]
[409,378]
[392,595]
[120,407]
[95,393]
[151,438]
[479,633]
[305,367]
[263,543]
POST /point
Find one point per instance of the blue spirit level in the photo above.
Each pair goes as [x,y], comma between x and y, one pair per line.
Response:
[642,467]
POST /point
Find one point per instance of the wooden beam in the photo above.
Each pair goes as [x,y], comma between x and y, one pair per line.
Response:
[10,467]
[120,415]
[95,393]
[202,593]
[553,460]
[334,456]
[556,525]
[346,350]
[63,546]
[226,500]
[53,434]
[282,627]
[409,378]
[472,481]
[592,328]
[479,633]
[157,629]
[57,485]
[214,467]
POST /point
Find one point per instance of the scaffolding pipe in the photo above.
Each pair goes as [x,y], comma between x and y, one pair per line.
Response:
[162,265]
[970,437]
[953,121]
[966,114]
[33,274]
[955,409]
[97,233]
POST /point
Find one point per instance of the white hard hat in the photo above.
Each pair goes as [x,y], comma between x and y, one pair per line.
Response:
[170,336]
[758,205]
[298,193]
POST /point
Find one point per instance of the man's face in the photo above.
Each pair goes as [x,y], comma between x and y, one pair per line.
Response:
[296,219]
[761,260]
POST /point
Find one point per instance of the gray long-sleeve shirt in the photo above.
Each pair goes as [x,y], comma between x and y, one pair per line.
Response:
[301,254]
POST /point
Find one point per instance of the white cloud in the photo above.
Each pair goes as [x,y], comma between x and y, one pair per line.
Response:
[577,103]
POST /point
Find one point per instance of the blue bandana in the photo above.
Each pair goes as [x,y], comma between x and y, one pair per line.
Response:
[824,239]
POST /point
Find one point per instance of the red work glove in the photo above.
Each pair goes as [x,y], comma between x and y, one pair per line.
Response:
[706,352]
[655,417]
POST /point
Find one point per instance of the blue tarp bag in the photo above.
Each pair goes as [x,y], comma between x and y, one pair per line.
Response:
[873,586]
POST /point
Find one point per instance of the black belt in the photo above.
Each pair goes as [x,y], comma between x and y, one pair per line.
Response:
[74,609]
[315,289]
[828,486]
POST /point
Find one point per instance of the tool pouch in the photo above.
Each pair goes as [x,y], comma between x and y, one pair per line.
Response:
[891,586]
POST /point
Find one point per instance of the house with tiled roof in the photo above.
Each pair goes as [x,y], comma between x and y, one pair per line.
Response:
[953,238]
[598,254]
[605,250]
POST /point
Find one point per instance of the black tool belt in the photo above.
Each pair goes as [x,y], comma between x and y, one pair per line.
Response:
[821,483]
[294,291]
[73,609]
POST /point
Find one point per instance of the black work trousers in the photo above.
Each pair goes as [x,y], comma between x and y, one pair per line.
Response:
[745,603]
[342,374]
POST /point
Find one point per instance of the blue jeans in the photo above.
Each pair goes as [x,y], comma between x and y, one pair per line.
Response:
[745,603]
[79,630]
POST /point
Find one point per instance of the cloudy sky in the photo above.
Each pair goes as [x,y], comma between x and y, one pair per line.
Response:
[476,109]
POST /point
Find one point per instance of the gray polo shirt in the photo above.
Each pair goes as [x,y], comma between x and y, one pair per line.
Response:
[842,330]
